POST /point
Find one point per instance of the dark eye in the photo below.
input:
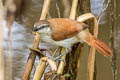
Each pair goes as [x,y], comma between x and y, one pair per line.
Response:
[43,26]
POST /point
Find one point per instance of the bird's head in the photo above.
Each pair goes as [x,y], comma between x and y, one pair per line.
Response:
[42,27]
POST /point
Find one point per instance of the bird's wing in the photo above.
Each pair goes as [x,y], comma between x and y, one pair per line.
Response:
[63,28]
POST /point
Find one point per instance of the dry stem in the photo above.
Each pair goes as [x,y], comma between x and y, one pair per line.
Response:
[91,58]
[61,64]
[73,9]
[32,56]
[40,69]
[72,16]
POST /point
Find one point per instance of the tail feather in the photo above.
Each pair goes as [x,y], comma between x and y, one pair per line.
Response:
[100,46]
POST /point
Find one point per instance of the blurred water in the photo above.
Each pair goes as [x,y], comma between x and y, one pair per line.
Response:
[21,40]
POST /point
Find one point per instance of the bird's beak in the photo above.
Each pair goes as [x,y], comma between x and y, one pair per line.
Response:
[34,33]
[35,29]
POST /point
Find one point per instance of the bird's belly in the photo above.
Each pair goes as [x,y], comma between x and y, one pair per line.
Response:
[64,43]
[68,42]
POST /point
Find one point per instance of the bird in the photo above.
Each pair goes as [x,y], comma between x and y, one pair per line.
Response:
[66,32]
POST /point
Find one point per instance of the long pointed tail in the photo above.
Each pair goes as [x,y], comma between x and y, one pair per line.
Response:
[100,46]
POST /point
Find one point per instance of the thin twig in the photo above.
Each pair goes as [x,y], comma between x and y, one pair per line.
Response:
[55,51]
[104,7]
[58,10]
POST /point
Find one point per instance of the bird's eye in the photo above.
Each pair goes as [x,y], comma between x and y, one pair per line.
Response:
[43,26]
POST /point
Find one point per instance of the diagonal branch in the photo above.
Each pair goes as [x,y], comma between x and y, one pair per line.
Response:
[32,56]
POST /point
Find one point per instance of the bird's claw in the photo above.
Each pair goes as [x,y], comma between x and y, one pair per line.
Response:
[56,58]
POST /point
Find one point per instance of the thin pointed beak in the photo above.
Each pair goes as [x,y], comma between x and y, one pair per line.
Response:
[34,33]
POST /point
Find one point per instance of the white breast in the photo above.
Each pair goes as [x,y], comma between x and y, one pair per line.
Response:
[64,43]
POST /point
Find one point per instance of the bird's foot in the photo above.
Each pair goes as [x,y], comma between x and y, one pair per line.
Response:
[56,58]
[59,57]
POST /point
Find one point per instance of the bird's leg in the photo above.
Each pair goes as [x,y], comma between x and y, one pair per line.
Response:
[65,53]
[59,57]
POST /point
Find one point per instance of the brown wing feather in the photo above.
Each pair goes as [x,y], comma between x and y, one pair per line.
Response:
[63,28]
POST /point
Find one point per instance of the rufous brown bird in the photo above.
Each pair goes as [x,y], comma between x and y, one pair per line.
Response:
[66,32]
